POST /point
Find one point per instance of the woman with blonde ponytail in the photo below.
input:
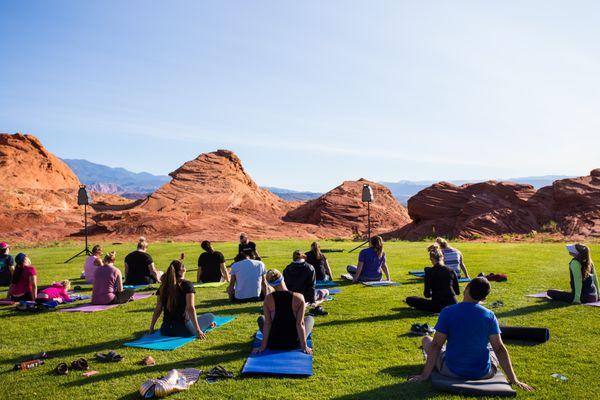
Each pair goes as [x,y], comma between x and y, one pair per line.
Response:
[139,266]
[441,284]
[108,283]
[176,300]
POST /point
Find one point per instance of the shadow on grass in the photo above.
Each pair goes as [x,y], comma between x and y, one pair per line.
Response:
[402,389]
[542,306]
[77,351]
[400,313]
[226,353]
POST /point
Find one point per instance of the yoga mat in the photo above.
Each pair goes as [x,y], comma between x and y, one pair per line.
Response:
[495,386]
[156,341]
[539,335]
[596,304]
[279,362]
[92,308]
[6,302]
[542,295]
[136,287]
[380,283]
[209,284]
[334,291]
[325,284]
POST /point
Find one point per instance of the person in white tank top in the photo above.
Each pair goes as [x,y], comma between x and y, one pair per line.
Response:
[92,263]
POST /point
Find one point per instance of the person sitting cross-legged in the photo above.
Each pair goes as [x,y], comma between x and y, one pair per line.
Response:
[584,280]
[468,328]
[372,263]
[441,285]
[247,282]
[108,283]
[211,265]
[300,277]
[283,325]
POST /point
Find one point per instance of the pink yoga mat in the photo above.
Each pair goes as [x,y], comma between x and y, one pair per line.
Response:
[542,295]
[6,302]
[596,304]
[92,308]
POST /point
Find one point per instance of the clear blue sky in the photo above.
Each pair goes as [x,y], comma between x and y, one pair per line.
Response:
[309,93]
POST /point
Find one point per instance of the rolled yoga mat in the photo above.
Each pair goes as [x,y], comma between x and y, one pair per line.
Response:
[539,335]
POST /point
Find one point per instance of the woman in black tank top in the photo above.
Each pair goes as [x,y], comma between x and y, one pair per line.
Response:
[283,325]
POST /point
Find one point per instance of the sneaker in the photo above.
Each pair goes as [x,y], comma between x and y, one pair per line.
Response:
[318,311]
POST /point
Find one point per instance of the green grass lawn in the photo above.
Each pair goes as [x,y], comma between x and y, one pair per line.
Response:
[362,348]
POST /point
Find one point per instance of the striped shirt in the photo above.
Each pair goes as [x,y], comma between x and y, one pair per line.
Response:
[452,259]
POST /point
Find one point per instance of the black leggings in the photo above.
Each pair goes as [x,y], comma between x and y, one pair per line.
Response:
[559,295]
[24,297]
[426,305]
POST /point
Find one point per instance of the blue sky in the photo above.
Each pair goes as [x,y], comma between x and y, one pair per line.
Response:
[309,93]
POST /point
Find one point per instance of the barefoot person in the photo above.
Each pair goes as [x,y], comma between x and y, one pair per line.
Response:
[318,260]
[300,278]
[23,286]
[211,265]
[176,300]
[283,325]
[453,258]
[584,281]
[371,263]
[139,266]
[468,327]
[108,284]
[441,285]
[92,263]
[247,282]
[7,265]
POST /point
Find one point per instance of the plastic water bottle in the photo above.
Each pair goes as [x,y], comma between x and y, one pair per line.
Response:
[25,365]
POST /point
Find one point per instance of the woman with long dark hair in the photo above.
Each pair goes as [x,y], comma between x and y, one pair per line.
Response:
[24,280]
[441,285]
[372,263]
[318,260]
[584,281]
[175,298]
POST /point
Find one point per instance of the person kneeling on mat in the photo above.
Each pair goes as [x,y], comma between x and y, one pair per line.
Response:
[441,285]
[176,298]
[108,283]
[371,263]
[283,325]
[468,327]
[584,281]
[300,277]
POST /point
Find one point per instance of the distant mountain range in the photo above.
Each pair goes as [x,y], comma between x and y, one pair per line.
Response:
[122,182]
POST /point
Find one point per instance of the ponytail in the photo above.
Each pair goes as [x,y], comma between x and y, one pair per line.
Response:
[377,245]
[169,283]
[585,259]
[316,248]
[435,253]
[20,261]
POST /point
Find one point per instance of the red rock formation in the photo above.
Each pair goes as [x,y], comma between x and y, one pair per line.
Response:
[342,209]
[495,208]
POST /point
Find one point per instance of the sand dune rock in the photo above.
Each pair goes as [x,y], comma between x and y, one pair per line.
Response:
[342,209]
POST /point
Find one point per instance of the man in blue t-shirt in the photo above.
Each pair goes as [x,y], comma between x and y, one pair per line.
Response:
[468,327]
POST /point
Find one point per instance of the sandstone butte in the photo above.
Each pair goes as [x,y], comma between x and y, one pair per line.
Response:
[569,206]
[213,197]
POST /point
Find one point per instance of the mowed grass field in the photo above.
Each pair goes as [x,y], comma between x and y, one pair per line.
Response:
[362,349]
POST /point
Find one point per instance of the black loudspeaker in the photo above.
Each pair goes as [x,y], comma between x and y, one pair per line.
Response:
[367,193]
[83,197]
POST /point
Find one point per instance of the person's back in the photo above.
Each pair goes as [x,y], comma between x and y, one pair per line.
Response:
[248,278]
[284,332]
[174,321]
[103,291]
[452,258]
[318,264]
[6,263]
[139,271]
[89,268]
[300,278]
[468,327]
[442,284]
[372,264]
[588,288]
[210,265]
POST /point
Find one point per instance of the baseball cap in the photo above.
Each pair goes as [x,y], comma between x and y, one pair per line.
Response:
[571,248]
[3,246]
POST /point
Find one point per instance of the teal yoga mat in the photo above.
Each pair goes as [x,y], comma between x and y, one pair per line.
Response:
[156,341]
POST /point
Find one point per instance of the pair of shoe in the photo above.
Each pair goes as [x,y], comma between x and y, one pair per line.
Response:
[111,356]
[80,364]
[421,329]
[318,311]
[216,373]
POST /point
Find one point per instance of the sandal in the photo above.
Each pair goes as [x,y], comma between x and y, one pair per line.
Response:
[148,361]
[111,356]
[62,369]
[217,373]
[80,364]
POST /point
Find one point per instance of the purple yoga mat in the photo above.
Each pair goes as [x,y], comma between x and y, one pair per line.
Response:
[596,304]
[91,308]
[542,295]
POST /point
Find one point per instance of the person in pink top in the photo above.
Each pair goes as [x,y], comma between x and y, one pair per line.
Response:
[58,292]
[23,286]
[92,263]
[108,284]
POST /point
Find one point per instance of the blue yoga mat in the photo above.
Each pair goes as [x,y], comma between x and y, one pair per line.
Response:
[156,341]
[325,284]
[334,291]
[286,363]
[135,287]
